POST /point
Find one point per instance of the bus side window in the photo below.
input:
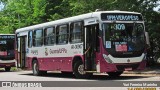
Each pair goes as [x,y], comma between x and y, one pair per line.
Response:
[49,36]
[76,32]
[30,39]
[62,34]
[38,37]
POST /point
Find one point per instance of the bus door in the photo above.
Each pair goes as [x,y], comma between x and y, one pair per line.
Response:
[23,51]
[91,46]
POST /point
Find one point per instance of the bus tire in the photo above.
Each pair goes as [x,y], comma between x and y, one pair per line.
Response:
[35,69]
[78,70]
[7,69]
[115,74]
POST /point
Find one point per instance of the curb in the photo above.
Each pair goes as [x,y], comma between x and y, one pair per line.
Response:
[142,72]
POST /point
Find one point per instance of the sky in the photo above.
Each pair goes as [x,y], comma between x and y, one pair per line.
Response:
[1,6]
[158,7]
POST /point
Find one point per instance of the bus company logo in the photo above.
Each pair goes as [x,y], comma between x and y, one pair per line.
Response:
[6,84]
[77,46]
[21,84]
[7,37]
[61,50]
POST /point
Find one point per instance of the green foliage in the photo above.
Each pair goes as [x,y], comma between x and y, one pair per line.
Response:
[21,13]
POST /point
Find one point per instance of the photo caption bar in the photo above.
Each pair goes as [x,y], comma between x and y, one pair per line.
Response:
[128,84]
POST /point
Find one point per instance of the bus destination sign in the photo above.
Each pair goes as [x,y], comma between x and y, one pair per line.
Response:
[121,17]
[7,37]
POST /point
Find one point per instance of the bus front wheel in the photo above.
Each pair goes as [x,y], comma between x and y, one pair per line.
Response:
[115,74]
[7,69]
[78,70]
[35,69]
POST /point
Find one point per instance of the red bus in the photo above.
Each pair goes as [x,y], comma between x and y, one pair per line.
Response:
[7,57]
[99,42]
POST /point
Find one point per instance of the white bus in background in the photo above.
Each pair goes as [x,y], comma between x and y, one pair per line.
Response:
[99,42]
[7,56]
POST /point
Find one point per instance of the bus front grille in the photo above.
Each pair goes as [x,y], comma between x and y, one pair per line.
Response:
[124,67]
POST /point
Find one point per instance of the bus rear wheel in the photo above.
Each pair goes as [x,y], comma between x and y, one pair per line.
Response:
[35,69]
[115,74]
[7,69]
[78,70]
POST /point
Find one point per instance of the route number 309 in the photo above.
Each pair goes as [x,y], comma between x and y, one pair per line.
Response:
[119,26]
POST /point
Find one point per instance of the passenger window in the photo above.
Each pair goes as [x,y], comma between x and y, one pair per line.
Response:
[76,32]
[49,35]
[62,34]
[38,37]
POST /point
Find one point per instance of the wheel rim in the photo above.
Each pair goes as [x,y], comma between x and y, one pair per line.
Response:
[81,69]
[35,68]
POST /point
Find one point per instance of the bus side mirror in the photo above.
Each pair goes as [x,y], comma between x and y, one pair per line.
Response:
[147,39]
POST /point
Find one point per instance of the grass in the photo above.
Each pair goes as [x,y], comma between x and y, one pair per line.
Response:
[12,69]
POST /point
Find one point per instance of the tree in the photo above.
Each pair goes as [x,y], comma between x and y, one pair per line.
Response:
[21,13]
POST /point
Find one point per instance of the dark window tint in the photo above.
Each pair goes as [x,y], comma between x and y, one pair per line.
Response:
[76,32]
[7,46]
[38,37]
[49,35]
[62,34]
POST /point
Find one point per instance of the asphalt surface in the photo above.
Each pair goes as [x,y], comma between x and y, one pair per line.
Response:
[52,76]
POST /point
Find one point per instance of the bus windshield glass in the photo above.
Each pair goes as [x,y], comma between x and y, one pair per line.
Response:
[6,46]
[124,39]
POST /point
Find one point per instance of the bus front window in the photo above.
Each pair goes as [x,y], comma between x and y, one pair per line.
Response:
[6,49]
[122,38]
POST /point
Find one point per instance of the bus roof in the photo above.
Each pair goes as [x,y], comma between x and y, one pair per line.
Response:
[71,19]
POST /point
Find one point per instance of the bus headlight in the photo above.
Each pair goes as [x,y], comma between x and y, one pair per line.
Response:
[107,58]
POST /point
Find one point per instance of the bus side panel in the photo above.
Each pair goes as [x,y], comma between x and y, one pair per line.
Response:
[29,62]
[44,64]
[65,63]
[55,64]
[48,64]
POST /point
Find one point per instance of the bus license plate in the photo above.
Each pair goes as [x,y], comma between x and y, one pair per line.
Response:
[128,69]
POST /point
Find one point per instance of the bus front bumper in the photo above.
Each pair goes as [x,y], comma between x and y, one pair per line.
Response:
[106,67]
[7,63]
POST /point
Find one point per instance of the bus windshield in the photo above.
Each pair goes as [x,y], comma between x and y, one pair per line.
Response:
[121,39]
[6,48]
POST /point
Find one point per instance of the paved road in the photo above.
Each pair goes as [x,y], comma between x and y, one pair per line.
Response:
[27,76]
